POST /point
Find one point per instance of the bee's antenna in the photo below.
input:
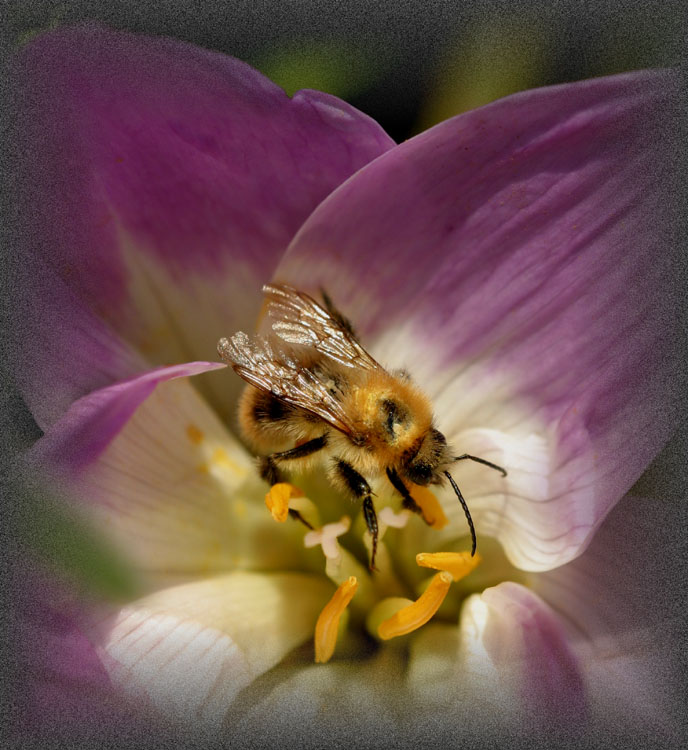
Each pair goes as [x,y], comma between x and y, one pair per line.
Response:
[481,461]
[465,510]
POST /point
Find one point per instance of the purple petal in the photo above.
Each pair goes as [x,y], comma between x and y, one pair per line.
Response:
[519,257]
[626,619]
[161,182]
[528,645]
[62,687]
[93,421]
[60,349]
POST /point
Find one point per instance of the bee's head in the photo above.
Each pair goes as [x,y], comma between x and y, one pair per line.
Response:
[425,464]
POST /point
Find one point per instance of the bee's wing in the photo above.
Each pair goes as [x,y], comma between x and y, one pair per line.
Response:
[284,375]
[299,319]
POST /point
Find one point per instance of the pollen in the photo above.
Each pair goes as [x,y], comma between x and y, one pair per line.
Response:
[194,434]
[430,507]
[457,564]
[277,499]
[415,615]
[327,626]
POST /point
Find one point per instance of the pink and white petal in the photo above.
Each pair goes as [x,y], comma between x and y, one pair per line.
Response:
[519,650]
[519,259]
[79,438]
[154,468]
[626,619]
[165,181]
[509,659]
[190,649]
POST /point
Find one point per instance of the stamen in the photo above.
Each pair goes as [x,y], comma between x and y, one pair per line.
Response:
[327,625]
[457,564]
[327,537]
[430,506]
[277,499]
[411,618]
[395,520]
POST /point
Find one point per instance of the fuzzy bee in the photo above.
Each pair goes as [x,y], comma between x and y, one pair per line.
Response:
[314,391]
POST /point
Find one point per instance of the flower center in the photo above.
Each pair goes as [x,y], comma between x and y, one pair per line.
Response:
[388,615]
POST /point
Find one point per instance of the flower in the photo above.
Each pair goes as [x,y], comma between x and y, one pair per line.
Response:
[515,259]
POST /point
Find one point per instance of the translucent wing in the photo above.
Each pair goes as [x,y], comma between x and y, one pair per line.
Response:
[299,319]
[284,375]
[295,375]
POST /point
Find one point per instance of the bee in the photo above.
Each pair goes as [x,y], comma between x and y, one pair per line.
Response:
[314,392]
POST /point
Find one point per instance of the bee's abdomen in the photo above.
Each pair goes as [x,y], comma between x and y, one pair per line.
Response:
[268,408]
[271,424]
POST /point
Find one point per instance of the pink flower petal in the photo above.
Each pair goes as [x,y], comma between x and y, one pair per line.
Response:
[519,258]
[161,182]
[59,349]
[528,645]
[621,600]
[93,421]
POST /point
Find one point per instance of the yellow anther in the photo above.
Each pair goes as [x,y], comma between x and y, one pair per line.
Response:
[194,434]
[458,564]
[277,499]
[417,614]
[327,626]
[430,506]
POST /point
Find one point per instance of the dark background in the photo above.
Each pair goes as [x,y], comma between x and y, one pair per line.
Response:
[393,58]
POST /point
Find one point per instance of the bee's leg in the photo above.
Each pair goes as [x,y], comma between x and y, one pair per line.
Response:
[481,461]
[270,472]
[298,517]
[371,522]
[357,485]
[408,503]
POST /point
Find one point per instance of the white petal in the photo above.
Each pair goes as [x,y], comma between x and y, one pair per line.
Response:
[450,672]
[181,496]
[190,649]
[201,310]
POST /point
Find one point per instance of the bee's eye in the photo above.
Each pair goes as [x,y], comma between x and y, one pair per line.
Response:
[419,472]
